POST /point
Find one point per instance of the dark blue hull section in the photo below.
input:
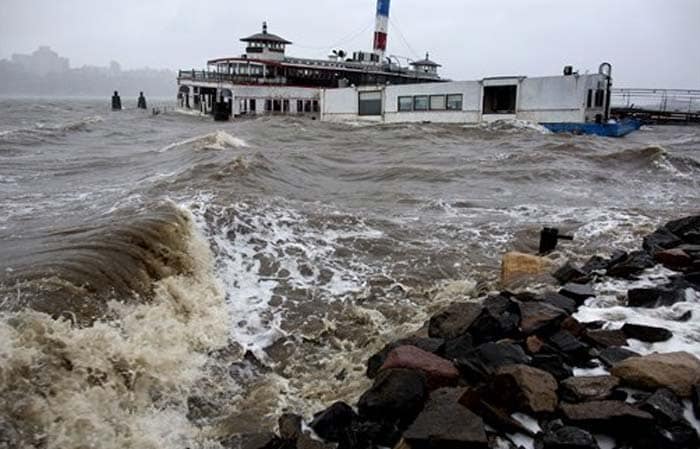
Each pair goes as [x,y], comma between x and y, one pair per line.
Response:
[619,129]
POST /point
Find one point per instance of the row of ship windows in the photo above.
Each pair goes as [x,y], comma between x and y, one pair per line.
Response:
[451,102]
[281,105]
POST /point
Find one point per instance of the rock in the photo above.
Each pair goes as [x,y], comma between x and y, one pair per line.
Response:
[306,442]
[606,338]
[539,316]
[533,344]
[289,426]
[253,441]
[674,258]
[685,317]
[517,265]
[665,406]
[654,297]
[498,320]
[525,388]
[672,430]
[647,334]
[577,292]
[475,400]
[588,388]
[438,371]
[633,265]
[333,423]
[458,347]
[563,302]
[596,264]
[432,345]
[614,417]
[483,361]
[678,371]
[566,438]
[687,228]
[570,273]
[574,327]
[454,321]
[614,355]
[201,408]
[553,364]
[570,345]
[695,399]
[660,240]
[444,422]
[397,395]
[693,278]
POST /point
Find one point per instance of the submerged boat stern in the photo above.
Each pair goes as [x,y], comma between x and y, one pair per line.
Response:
[612,129]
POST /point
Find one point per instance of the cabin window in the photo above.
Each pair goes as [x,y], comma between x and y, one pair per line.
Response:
[420,103]
[500,99]
[437,103]
[251,105]
[405,104]
[599,98]
[370,103]
[315,105]
[277,106]
[307,106]
[589,102]
[454,102]
[268,105]
[300,106]
[285,105]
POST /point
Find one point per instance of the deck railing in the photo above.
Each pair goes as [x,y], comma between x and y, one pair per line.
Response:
[217,77]
[658,100]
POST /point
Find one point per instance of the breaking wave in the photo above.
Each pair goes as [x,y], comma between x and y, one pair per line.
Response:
[42,131]
[219,140]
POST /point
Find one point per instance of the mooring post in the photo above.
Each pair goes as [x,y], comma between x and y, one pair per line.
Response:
[142,101]
[116,102]
[549,237]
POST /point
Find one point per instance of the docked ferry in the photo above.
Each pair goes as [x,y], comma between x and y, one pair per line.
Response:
[374,87]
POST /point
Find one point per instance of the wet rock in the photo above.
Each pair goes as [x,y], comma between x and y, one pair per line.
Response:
[695,400]
[687,228]
[615,417]
[289,426]
[570,346]
[649,334]
[660,240]
[685,317]
[253,441]
[674,258]
[445,423]
[633,265]
[563,302]
[333,423]
[574,327]
[614,355]
[553,364]
[588,388]
[476,400]
[518,265]
[693,279]
[483,361]
[199,408]
[438,371]
[677,371]
[533,344]
[305,441]
[654,297]
[524,388]
[458,347]
[499,319]
[432,345]
[539,316]
[606,338]
[366,434]
[570,273]
[397,395]
[566,437]
[596,264]
[454,321]
[665,406]
[578,292]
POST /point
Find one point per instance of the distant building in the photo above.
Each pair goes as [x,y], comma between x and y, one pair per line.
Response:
[42,62]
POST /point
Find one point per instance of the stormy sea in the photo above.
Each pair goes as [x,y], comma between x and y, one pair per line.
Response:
[166,281]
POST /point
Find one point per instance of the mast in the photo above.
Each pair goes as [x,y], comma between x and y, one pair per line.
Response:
[382,28]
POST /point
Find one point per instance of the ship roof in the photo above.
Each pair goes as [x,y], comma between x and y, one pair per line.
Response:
[265,37]
[426,62]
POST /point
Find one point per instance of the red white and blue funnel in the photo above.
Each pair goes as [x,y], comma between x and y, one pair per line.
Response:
[382,28]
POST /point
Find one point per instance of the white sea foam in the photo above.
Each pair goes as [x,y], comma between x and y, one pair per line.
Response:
[219,140]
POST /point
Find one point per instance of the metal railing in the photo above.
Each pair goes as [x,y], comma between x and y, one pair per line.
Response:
[676,101]
[218,77]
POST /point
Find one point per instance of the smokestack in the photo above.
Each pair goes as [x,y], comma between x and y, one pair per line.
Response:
[382,28]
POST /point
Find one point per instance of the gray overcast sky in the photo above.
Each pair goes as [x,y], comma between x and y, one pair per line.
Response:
[651,43]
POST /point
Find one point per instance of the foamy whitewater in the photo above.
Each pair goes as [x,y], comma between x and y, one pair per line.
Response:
[167,281]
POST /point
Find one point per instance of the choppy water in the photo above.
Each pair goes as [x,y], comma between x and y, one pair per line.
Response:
[143,257]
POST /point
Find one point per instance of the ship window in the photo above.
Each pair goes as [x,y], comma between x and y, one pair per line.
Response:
[300,106]
[454,102]
[315,105]
[277,106]
[268,105]
[437,103]
[370,103]
[307,106]
[599,98]
[420,103]
[589,102]
[405,104]
[500,99]
[285,105]
[251,105]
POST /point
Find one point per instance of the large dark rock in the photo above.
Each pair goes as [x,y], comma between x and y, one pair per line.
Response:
[687,228]
[563,302]
[614,417]
[477,400]
[677,371]
[540,317]
[634,264]
[524,388]
[695,400]
[693,279]
[438,372]
[554,364]
[666,407]
[660,240]
[432,345]
[675,259]
[566,437]
[606,338]
[397,395]
[588,388]
[614,355]
[578,292]
[672,430]
[654,297]
[570,273]
[571,346]
[484,360]
[253,441]
[445,423]
[289,426]
[649,334]
[333,423]
[306,442]
[457,347]
[454,321]
[499,319]
[595,264]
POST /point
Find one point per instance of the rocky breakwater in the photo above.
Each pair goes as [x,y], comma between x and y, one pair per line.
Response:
[501,372]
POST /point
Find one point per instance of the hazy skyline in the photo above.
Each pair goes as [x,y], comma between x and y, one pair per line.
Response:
[650,43]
